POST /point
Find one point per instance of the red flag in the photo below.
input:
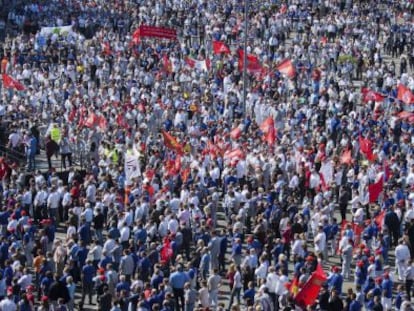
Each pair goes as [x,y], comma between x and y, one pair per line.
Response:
[235,133]
[92,120]
[10,83]
[220,48]
[366,148]
[269,131]
[310,291]
[72,114]
[270,137]
[405,115]
[294,287]
[235,153]
[136,38]
[346,157]
[283,9]
[267,125]
[405,94]
[102,123]
[368,94]
[253,64]
[375,189]
[213,150]
[155,32]
[166,252]
[172,143]
[286,68]
[120,120]
[166,62]
[107,49]
[202,65]
[379,220]
[185,174]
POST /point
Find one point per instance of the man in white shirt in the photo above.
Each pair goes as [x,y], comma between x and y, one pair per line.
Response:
[53,202]
[402,256]
[8,304]
[320,241]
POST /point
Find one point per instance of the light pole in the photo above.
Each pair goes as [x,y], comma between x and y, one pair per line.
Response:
[246,8]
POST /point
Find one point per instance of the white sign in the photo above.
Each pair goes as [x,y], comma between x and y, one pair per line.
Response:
[132,167]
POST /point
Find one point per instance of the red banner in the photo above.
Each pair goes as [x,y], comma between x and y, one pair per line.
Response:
[155,32]
[10,83]
[310,291]
[375,189]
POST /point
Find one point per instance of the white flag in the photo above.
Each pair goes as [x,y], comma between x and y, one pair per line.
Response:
[327,171]
[132,167]
[59,30]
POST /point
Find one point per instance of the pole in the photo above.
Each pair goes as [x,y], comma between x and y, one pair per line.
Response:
[246,8]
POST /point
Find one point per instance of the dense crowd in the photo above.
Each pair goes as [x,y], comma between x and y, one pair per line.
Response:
[233,202]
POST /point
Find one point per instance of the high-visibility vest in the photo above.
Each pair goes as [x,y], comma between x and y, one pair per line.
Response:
[55,134]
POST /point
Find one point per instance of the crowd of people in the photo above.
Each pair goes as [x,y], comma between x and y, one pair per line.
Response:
[247,180]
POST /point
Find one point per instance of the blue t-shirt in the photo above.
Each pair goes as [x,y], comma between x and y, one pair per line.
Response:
[88,272]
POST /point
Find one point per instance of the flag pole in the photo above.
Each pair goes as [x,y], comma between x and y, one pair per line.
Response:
[246,7]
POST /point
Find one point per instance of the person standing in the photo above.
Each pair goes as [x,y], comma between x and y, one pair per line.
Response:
[214,282]
[190,297]
[31,151]
[409,279]
[88,273]
[402,256]
[65,152]
[177,281]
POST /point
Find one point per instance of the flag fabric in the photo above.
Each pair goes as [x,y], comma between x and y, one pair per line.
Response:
[131,167]
[102,123]
[121,121]
[92,120]
[327,171]
[202,65]
[270,136]
[370,95]
[253,63]
[267,125]
[365,145]
[107,48]
[405,95]
[59,30]
[379,220]
[154,32]
[405,115]
[346,157]
[220,48]
[375,189]
[171,143]
[167,64]
[310,291]
[236,133]
[213,150]
[294,287]
[287,68]
[10,83]
[166,252]
[185,174]
[232,154]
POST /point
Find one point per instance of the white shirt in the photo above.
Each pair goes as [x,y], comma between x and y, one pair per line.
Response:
[125,233]
[88,214]
[320,242]
[173,225]
[53,200]
[8,305]
[271,282]
[402,253]
[280,287]
[109,246]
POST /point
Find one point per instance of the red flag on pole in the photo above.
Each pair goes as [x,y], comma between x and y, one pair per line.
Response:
[379,220]
[167,64]
[286,68]
[269,131]
[220,48]
[185,174]
[375,189]
[171,142]
[366,148]
[310,291]
[404,94]
[10,83]
[253,64]
[368,94]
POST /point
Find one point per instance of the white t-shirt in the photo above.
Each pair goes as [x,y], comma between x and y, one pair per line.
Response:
[320,242]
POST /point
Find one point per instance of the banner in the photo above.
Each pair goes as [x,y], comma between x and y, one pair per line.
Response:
[154,32]
[62,30]
[10,83]
[327,171]
[310,291]
[132,167]
[366,148]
